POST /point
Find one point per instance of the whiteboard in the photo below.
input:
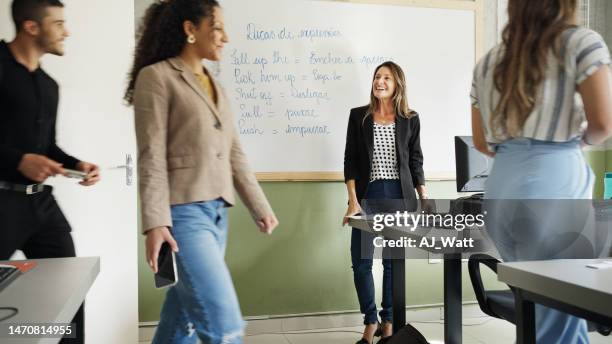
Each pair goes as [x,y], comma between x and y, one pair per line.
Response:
[294,69]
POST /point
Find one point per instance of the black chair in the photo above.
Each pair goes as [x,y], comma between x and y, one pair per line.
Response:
[500,303]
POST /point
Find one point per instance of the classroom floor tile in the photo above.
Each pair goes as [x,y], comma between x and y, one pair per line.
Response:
[483,330]
[331,336]
[492,330]
[434,332]
[266,339]
[596,338]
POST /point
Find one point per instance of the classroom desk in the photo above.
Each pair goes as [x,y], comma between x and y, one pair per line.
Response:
[452,278]
[565,284]
[50,293]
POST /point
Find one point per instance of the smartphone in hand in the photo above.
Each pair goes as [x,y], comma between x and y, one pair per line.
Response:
[166,275]
[75,174]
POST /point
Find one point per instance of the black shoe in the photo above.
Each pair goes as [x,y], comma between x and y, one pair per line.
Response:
[363,341]
[604,330]
[381,326]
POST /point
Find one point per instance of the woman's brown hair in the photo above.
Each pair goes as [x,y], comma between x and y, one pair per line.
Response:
[533,31]
[400,101]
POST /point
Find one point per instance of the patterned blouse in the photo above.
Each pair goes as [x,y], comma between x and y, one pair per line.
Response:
[384,161]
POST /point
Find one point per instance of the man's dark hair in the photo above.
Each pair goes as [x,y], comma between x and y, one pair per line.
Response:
[35,10]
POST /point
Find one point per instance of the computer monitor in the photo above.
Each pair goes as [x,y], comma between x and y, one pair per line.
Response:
[472,167]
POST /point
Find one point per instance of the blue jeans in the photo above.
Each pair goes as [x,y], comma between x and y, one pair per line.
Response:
[203,304]
[362,252]
[536,170]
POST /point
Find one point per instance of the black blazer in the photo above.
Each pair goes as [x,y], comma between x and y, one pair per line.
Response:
[360,147]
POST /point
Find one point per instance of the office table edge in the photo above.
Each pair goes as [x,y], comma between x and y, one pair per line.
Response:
[66,314]
[549,287]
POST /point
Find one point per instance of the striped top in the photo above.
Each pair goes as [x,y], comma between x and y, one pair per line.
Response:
[558,115]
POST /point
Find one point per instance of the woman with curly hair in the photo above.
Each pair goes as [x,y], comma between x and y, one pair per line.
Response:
[190,159]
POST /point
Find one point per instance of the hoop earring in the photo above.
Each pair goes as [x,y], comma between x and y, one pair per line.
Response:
[191,39]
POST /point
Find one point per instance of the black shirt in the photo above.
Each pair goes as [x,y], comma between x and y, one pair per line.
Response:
[28,111]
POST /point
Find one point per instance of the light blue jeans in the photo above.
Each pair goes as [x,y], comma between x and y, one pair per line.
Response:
[203,304]
[526,169]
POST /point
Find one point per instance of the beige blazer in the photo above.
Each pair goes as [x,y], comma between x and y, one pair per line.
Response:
[188,147]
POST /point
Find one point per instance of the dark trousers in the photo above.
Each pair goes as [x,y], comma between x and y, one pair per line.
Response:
[362,253]
[36,225]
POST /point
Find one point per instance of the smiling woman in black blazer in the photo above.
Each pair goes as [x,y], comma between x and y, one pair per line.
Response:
[382,160]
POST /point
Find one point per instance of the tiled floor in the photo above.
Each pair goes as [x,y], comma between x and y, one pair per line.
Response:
[480,331]
[475,331]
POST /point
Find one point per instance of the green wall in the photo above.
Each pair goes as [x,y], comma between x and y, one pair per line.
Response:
[304,267]
[609,160]
[597,160]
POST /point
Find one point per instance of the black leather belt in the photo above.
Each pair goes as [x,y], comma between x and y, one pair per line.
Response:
[27,189]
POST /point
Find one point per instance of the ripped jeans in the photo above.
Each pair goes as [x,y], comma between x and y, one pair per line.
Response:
[203,304]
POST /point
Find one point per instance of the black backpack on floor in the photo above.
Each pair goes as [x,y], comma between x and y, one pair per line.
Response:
[408,335]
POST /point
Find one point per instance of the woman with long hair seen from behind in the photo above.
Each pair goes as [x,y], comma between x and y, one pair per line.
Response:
[537,98]
[190,160]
